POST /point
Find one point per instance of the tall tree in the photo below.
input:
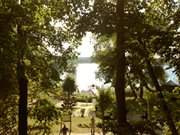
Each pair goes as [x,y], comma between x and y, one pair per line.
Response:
[164,105]
[155,31]
[121,69]
[107,17]
[30,31]
[22,81]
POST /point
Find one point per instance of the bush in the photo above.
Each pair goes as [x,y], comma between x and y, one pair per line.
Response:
[44,114]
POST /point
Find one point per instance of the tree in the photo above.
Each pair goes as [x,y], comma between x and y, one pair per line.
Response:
[45,114]
[25,45]
[144,22]
[69,85]
[7,41]
[8,112]
[107,18]
[152,32]
[104,102]
[69,88]
[120,68]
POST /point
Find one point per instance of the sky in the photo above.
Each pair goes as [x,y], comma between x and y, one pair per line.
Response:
[86,49]
[171,75]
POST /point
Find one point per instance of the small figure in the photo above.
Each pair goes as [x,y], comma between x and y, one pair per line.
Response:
[64,130]
[92,126]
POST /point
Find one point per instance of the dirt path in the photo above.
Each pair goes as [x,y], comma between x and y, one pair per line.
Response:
[83,134]
[80,133]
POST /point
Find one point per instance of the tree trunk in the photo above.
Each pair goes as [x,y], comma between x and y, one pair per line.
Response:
[103,123]
[164,105]
[141,91]
[23,82]
[124,128]
[70,126]
[120,64]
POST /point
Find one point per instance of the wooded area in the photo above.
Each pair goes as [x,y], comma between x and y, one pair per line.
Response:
[136,43]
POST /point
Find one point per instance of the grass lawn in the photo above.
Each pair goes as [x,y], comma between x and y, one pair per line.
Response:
[79,125]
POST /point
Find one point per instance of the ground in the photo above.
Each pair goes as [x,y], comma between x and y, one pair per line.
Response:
[80,126]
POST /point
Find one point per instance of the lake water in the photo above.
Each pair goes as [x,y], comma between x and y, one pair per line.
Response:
[85,76]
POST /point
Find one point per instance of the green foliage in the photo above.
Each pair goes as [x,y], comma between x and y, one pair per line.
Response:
[105,109]
[104,56]
[45,111]
[69,85]
[44,114]
[84,97]
[38,27]
[7,52]
[104,101]
[28,30]
[173,100]
[68,104]
[8,113]
[146,34]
